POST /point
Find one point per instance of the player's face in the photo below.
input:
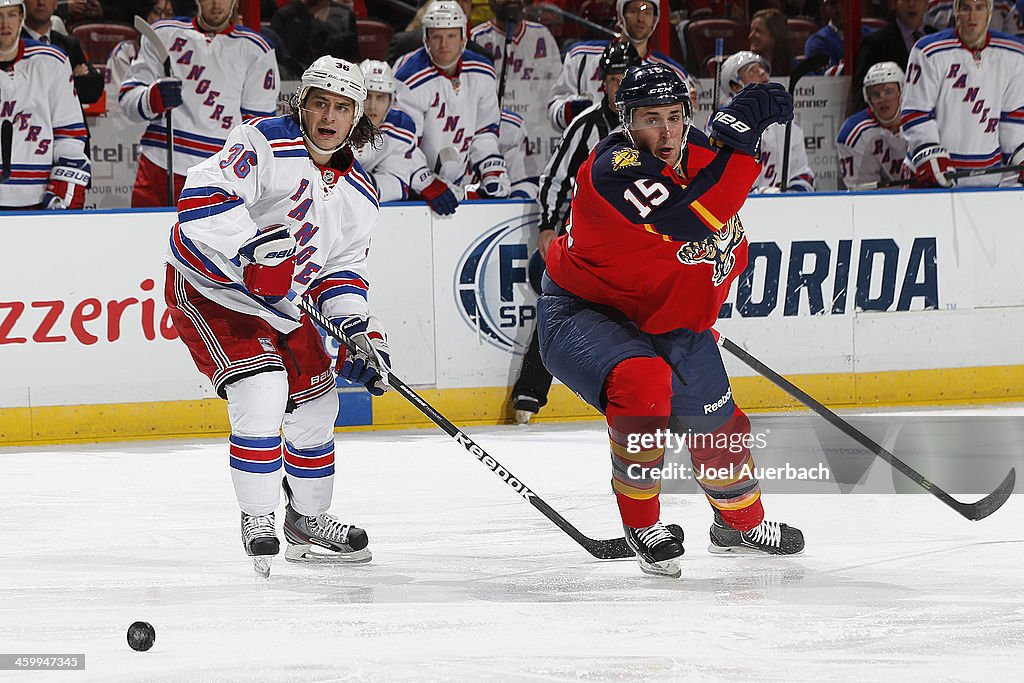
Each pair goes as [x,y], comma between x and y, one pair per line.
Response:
[10,27]
[376,106]
[444,45]
[972,17]
[329,118]
[753,73]
[611,86]
[760,40]
[639,18]
[40,10]
[911,12]
[884,99]
[659,130]
[216,12]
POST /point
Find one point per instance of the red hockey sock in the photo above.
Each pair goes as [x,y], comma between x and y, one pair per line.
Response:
[737,495]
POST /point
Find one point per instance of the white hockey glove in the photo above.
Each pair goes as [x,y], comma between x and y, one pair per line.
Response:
[370,363]
[494,180]
[930,165]
[271,262]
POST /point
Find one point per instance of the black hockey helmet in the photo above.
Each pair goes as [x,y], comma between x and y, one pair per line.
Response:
[651,85]
[617,58]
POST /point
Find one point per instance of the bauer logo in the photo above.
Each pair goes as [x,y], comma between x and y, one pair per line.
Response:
[492,291]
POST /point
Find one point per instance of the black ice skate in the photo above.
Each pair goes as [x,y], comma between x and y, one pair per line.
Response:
[656,549]
[259,539]
[526,407]
[767,538]
[322,538]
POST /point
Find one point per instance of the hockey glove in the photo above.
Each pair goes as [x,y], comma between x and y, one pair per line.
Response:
[440,197]
[164,94]
[740,123]
[930,165]
[271,262]
[574,108]
[371,360]
[494,180]
[68,180]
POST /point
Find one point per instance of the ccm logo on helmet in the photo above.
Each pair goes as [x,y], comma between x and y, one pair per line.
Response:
[732,122]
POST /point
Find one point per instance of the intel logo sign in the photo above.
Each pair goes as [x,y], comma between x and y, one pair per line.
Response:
[491,288]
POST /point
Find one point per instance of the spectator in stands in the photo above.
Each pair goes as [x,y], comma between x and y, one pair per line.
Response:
[891,43]
[769,37]
[870,144]
[48,165]
[963,102]
[124,52]
[88,79]
[738,71]
[829,38]
[75,12]
[411,39]
[313,28]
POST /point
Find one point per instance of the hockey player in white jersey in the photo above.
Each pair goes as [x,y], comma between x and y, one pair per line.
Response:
[48,165]
[579,85]
[871,146]
[963,103]
[747,67]
[451,95]
[283,206]
[533,66]
[221,75]
[397,164]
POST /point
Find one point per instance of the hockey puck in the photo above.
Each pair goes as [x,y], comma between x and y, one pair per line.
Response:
[141,636]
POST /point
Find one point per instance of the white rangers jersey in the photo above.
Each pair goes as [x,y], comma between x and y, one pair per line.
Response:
[972,105]
[580,79]
[868,151]
[264,176]
[456,117]
[773,141]
[37,96]
[533,68]
[522,170]
[227,77]
[397,164]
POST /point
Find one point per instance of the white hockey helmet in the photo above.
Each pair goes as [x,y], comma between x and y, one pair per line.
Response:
[13,3]
[883,72]
[335,76]
[620,11]
[731,68]
[378,76]
[444,14]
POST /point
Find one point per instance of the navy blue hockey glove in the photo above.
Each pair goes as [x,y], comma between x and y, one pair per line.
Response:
[371,360]
[574,108]
[164,94]
[740,123]
[440,197]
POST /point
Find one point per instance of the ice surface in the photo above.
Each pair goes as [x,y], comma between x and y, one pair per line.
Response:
[470,582]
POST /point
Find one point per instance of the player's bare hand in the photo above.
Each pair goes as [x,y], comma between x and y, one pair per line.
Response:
[80,70]
[544,241]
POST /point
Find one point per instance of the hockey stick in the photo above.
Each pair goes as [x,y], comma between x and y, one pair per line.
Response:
[719,55]
[6,144]
[812,63]
[515,15]
[610,549]
[577,19]
[973,511]
[965,173]
[143,27]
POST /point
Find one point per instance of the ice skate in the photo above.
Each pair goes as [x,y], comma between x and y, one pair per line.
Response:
[526,407]
[767,538]
[322,539]
[259,539]
[656,549]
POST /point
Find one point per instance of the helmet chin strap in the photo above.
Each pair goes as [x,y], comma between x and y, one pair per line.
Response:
[309,140]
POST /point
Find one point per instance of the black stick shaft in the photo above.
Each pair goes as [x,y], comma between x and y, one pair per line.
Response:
[171,199]
[974,511]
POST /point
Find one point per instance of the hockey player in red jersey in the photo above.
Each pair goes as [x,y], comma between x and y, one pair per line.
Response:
[652,244]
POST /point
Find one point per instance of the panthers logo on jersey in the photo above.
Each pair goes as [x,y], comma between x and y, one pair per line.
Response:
[716,249]
[624,158]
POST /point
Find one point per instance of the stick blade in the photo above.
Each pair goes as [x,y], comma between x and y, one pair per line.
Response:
[144,29]
[990,503]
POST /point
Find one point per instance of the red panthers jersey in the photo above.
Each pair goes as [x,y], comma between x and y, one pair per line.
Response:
[660,246]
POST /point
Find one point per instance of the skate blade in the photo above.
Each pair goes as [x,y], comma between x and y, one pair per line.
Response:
[261,565]
[669,568]
[744,550]
[307,555]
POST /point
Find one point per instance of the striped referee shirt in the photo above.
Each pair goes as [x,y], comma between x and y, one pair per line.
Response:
[558,180]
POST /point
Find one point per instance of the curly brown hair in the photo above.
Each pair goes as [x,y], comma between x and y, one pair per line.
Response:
[363,133]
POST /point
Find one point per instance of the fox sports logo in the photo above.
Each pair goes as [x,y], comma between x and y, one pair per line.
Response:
[492,290]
